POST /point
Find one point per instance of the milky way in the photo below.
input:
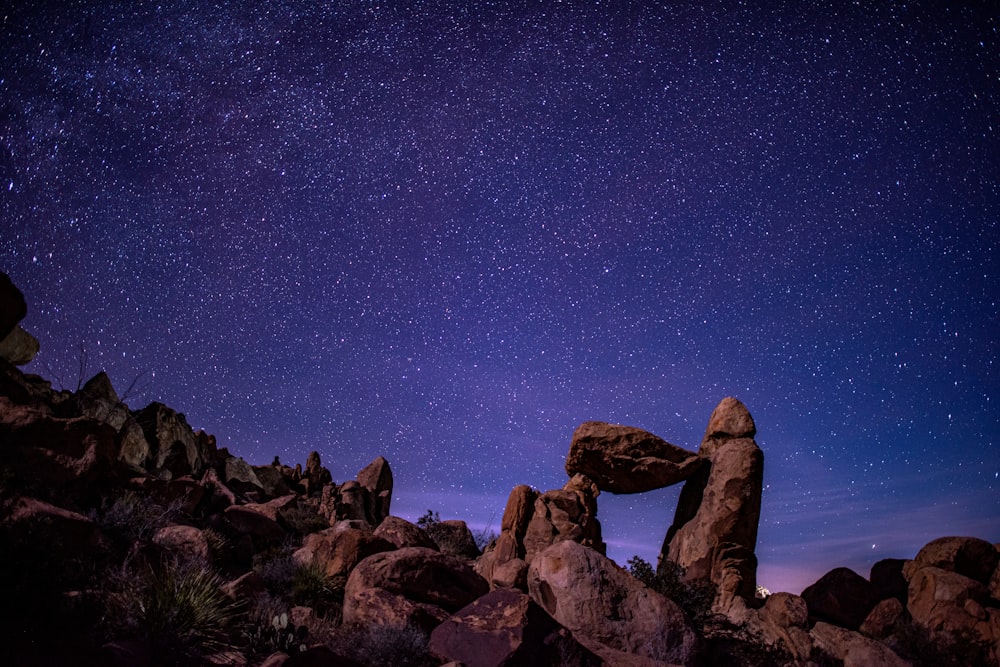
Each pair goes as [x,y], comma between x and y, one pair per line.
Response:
[448,233]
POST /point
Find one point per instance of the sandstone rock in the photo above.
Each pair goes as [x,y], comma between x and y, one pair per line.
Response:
[187,542]
[19,347]
[401,533]
[337,552]
[172,441]
[512,574]
[783,620]
[968,556]
[353,503]
[517,512]
[939,600]
[222,495]
[888,580]
[883,618]
[13,307]
[505,628]
[133,448]
[315,475]
[625,459]
[98,400]
[271,480]
[377,606]
[376,477]
[842,597]
[730,420]
[853,649]
[423,577]
[598,601]
[562,514]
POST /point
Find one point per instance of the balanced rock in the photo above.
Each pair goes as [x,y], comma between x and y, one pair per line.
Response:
[506,627]
[625,459]
[19,347]
[719,507]
[606,608]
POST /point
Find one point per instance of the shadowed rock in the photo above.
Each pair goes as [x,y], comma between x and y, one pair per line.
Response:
[625,459]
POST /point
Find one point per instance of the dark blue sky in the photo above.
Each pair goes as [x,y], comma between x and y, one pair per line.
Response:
[448,233]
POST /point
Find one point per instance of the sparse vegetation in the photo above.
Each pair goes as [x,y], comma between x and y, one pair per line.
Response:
[132,516]
[383,646]
[693,597]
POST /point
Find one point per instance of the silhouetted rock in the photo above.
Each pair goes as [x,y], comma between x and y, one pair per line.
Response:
[842,597]
[719,507]
[506,628]
[13,307]
[625,459]
[604,606]
[172,441]
[888,580]
[257,525]
[19,347]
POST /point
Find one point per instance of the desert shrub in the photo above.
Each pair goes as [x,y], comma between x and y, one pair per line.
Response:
[277,567]
[135,517]
[179,609]
[303,520]
[449,541]
[311,587]
[383,646]
[267,628]
[693,597]
[728,643]
[947,649]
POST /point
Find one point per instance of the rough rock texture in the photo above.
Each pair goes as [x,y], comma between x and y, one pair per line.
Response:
[172,441]
[422,585]
[605,606]
[401,533]
[944,600]
[13,307]
[625,459]
[719,507]
[454,537]
[238,473]
[968,556]
[18,347]
[883,618]
[376,478]
[338,551]
[506,628]
[258,526]
[842,597]
[66,531]
[853,649]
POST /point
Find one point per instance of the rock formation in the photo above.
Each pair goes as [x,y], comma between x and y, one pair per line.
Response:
[625,459]
[714,532]
[17,346]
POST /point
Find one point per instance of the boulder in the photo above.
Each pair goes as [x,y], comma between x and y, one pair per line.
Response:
[512,574]
[245,587]
[401,533]
[172,441]
[62,530]
[505,628]
[423,577]
[783,620]
[18,347]
[943,600]
[272,508]
[260,527]
[186,542]
[968,556]
[603,605]
[453,537]
[98,400]
[888,580]
[13,307]
[337,551]
[272,480]
[883,618]
[569,513]
[625,459]
[853,649]
[315,475]
[719,506]
[239,474]
[133,449]
[842,597]
[377,606]
[376,478]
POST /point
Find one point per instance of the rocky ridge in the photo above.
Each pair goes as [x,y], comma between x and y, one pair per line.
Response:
[101,505]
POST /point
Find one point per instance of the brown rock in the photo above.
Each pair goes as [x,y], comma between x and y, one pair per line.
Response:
[337,551]
[512,574]
[245,587]
[239,474]
[171,439]
[272,508]
[730,420]
[67,532]
[938,600]
[401,533]
[377,606]
[272,480]
[505,628]
[842,597]
[376,477]
[453,537]
[853,649]
[783,620]
[883,619]
[421,576]
[19,347]
[133,448]
[185,541]
[968,556]
[13,307]
[625,459]
[559,515]
[517,513]
[598,601]
[888,580]
[261,528]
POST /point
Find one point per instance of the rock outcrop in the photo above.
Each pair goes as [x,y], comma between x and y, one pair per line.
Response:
[714,532]
[625,459]
[842,597]
[606,609]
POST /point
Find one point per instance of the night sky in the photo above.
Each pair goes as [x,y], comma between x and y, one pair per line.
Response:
[448,233]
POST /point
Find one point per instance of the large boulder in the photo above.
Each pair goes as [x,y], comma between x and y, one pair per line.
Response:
[401,533]
[410,586]
[968,556]
[605,607]
[337,551]
[719,507]
[453,537]
[942,600]
[19,347]
[186,542]
[625,459]
[13,307]
[506,628]
[842,597]
[569,513]
[887,579]
[853,649]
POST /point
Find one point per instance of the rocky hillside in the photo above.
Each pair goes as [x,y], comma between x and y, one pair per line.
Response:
[129,539]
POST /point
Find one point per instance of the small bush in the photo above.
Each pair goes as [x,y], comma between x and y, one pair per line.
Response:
[135,517]
[311,587]
[383,646]
[694,597]
[179,609]
[267,628]
[303,520]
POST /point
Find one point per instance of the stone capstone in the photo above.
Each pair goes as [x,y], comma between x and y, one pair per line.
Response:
[625,459]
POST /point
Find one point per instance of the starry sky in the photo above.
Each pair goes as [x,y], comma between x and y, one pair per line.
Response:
[449,232]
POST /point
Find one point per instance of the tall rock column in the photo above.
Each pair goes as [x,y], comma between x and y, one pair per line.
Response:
[715,525]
